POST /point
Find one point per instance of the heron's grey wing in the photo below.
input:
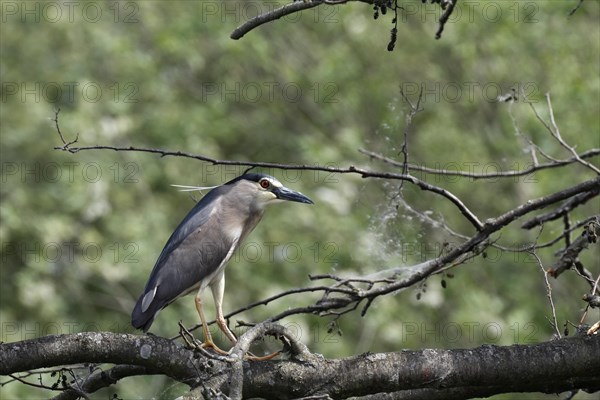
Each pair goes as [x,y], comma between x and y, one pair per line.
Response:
[188,257]
[193,220]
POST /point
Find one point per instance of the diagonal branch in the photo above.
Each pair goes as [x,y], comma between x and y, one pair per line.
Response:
[552,241]
[564,209]
[273,15]
[426,269]
[388,281]
[491,226]
[346,300]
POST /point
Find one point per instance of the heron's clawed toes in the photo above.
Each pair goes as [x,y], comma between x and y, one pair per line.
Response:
[251,357]
[209,344]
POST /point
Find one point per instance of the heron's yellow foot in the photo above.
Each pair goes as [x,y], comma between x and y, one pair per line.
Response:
[208,343]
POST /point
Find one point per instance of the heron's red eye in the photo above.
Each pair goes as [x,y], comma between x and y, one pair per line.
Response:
[264,184]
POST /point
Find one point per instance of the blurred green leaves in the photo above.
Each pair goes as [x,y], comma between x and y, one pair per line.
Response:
[80,233]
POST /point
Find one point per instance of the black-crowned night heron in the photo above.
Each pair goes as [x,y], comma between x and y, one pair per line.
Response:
[197,252]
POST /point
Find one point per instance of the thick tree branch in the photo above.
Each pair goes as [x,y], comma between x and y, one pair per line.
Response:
[156,354]
[557,366]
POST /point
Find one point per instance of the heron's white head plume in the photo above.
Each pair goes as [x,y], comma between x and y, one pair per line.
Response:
[186,188]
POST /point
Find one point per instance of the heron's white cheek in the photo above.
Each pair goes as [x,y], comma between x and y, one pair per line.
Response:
[265,199]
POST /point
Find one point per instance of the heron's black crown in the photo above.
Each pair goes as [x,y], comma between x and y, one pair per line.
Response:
[254,177]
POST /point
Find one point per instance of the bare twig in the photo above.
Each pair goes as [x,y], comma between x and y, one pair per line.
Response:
[533,148]
[555,132]
[554,322]
[490,175]
[414,110]
[39,386]
[584,273]
[433,222]
[558,137]
[66,144]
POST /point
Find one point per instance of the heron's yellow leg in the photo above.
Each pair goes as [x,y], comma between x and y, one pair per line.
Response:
[208,342]
[218,289]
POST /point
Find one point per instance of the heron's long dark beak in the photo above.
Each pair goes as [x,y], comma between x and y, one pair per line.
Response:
[284,193]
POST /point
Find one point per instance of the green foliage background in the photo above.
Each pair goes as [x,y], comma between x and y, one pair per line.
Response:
[80,233]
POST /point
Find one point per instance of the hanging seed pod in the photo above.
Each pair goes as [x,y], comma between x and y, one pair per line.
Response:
[393,38]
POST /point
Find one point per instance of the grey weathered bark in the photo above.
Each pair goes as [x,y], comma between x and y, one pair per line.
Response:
[556,366]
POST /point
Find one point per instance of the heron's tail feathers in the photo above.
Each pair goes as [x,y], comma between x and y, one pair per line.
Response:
[145,310]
